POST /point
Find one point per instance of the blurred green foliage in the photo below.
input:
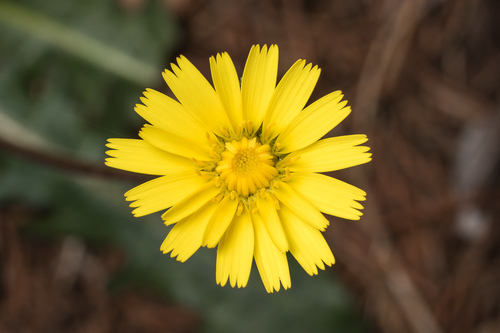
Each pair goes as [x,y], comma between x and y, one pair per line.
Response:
[73,102]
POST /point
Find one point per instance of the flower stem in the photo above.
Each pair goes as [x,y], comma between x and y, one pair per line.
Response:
[76,43]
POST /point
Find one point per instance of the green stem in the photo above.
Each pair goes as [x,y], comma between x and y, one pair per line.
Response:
[76,43]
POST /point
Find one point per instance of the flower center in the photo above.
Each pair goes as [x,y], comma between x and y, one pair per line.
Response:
[244,162]
[246,166]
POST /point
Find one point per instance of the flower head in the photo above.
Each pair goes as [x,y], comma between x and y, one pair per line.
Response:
[240,166]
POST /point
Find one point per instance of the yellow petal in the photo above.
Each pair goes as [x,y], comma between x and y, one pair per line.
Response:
[169,115]
[190,204]
[290,97]
[271,262]
[195,93]
[329,195]
[314,122]
[258,82]
[163,192]
[219,222]
[300,206]
[186,236]
[227,85]
[307,244]
[235,252]
[139,156]
[175,144]
[267,210]
[331,154]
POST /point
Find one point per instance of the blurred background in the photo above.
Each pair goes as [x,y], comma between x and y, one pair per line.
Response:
[423,80]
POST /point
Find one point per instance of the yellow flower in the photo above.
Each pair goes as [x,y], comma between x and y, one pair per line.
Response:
[241,165]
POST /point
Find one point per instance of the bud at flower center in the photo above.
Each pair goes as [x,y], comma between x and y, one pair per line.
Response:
[246,166]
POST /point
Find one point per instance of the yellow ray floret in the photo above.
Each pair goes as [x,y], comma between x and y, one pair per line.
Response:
[235,252]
